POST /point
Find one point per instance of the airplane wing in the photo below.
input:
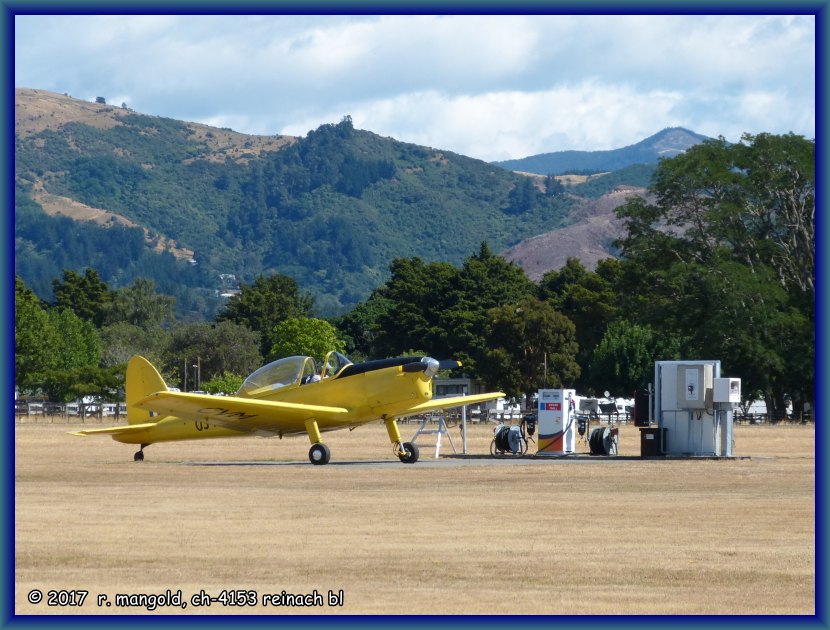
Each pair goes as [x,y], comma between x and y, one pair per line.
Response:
[241,414]
[450,402]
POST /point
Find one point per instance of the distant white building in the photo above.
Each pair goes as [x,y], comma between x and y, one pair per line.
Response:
[228,285]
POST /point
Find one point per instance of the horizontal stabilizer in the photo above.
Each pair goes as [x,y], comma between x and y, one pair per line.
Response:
[122,430]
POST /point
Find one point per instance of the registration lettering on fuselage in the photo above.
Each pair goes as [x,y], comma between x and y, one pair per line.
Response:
[226,413]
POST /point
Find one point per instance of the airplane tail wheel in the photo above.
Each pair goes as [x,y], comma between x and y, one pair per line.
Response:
[319,454]
[410,453]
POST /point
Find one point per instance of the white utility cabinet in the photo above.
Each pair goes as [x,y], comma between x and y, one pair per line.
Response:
[694,406]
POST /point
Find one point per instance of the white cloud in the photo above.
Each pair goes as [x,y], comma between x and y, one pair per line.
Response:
[502,125]
[489,86]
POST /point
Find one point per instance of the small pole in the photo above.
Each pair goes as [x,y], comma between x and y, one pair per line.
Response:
[650,405]
[464,428]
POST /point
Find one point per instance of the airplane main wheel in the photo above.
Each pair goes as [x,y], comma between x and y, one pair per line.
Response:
[139,456]
[410,454]
[319,454]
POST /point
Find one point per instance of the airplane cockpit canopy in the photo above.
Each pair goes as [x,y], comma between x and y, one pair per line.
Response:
[333,363]
[279,374]
[291,371]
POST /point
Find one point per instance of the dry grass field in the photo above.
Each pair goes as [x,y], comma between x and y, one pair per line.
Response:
[584,536]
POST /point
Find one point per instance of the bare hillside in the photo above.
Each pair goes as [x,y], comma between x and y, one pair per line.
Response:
[589,239]
[38,110]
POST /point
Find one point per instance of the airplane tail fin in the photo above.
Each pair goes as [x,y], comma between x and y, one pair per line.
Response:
[142,380]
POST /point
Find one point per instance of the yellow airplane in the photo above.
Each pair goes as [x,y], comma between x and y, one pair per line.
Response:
[287,397]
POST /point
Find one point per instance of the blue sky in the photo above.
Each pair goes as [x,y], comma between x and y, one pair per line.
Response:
[491,87]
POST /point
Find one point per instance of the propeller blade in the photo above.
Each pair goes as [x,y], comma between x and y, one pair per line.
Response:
[425,362]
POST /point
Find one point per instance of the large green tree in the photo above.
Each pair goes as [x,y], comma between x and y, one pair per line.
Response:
[359,327]
[443,309]
[34,338]
[590,299]
[725,259]
[104,384]
[530,346]
[89,297]
[264,304]
[418,293]
[76,343]
[624,359]
[50,342]
[214,348]
[140,305]
[305,336]
[122,340]
[485,281]
[756,197]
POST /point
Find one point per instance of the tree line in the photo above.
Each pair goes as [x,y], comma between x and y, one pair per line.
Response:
[719,263]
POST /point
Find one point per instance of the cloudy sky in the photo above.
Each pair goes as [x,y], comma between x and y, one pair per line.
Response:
[491,87]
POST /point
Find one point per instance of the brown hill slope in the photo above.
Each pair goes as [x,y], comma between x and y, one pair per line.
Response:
[37,110]
[589,239]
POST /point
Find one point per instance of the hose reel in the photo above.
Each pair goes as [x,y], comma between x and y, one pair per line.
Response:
[603,441]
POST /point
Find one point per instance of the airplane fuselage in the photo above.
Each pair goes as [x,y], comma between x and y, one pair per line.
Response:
[369,397]
[288,396]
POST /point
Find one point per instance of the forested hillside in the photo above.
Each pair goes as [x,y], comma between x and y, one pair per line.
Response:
[331,209]
[717,259]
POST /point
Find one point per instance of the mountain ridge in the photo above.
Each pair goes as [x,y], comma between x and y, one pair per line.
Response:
[40,110]
[135,195]
[668,142]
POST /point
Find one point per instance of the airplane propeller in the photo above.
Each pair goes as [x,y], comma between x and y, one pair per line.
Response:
[430,366]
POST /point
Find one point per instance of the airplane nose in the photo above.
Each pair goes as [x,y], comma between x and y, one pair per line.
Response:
[432,367]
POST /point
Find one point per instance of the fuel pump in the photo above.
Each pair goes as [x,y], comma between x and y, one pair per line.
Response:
[557,422]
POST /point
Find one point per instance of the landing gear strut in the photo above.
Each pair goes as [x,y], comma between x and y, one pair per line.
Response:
[319,453]
[407,452]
